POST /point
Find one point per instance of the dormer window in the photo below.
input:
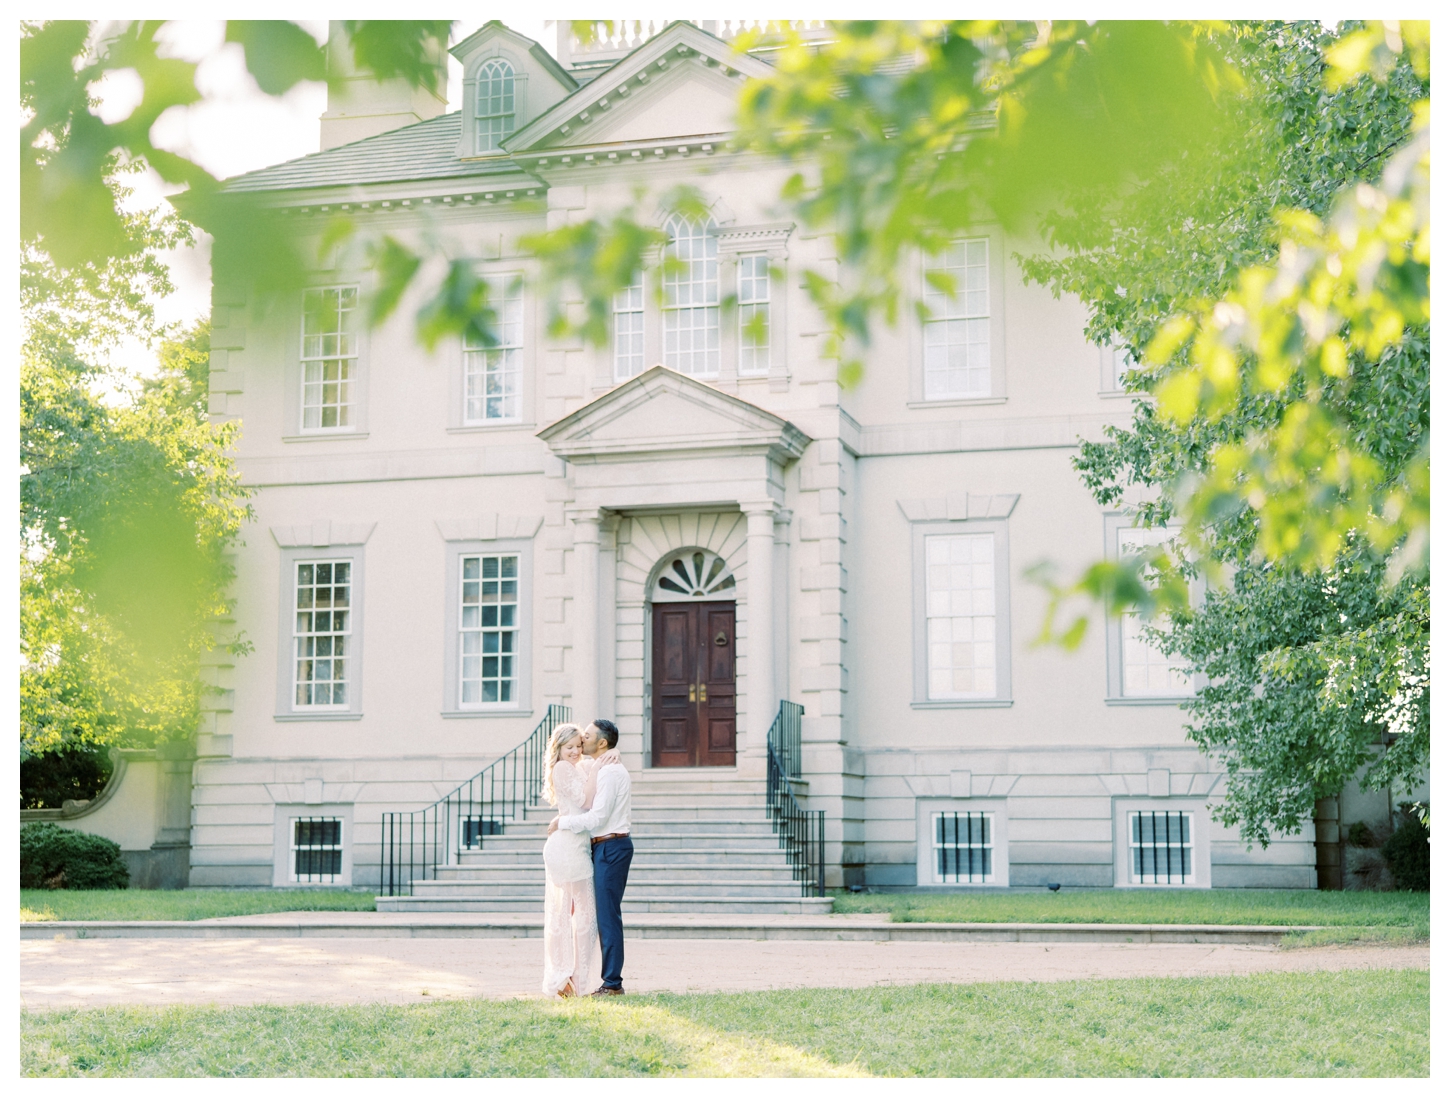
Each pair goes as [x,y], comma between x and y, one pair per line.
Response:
[495,111]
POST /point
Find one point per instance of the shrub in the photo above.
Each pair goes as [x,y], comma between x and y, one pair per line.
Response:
[77,774]
[56,857]
[1361,835]
[1408,853]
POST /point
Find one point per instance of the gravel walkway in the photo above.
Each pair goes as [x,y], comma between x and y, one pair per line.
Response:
[161,972]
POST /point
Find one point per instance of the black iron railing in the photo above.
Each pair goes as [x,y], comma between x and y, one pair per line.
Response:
[416,843]
[785,737]
[802,832]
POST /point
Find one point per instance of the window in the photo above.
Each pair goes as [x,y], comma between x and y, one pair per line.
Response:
[961,840]
[495,110]
[316,849]
[957,341]
[692,298]
[1146,670]
[961,650]
[492,375]
[329,358]
[486,639]
[961,848]
[961,616]
[754,281]
[322,634]
[1160,847]
[629,330]
[488,629]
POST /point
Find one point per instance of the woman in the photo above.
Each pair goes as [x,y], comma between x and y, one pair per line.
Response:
[571,935]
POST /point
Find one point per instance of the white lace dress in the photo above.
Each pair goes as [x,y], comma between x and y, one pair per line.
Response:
[571,932]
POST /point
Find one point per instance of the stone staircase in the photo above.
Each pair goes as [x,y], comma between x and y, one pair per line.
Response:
[702,845]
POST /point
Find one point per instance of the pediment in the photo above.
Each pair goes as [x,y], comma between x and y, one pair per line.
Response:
[684,82]
[662,411]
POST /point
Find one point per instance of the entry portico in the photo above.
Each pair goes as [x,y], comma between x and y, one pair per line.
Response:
[660,465]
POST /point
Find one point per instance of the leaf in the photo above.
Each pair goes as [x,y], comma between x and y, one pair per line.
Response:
[279,54]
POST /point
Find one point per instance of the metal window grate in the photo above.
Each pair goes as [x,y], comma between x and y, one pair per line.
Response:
[472,830]
[1161,847]
[317,849]
[962,848]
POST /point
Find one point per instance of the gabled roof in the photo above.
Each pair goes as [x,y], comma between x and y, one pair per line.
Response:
[677,36]
[424,150]
[664,411]
[494,28]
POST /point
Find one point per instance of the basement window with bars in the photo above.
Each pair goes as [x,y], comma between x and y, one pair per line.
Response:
[316,849]
[1160,848]
[472,830]
[962,848]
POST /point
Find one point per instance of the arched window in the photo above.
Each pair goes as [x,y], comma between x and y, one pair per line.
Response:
[694,575]
[692,298]
[495,113]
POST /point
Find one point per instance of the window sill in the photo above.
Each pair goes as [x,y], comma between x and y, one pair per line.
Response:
[326,436]
[501,425]
[1175,701]
[466,714]
[955,402]
[317,717]
[1113,394]
[966,703]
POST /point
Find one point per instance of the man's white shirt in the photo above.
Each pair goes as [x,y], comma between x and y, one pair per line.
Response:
[610,812]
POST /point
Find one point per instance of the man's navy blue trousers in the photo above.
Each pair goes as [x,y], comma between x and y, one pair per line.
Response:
[611,873]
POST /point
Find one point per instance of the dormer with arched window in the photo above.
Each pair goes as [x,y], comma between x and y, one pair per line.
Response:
[507,81]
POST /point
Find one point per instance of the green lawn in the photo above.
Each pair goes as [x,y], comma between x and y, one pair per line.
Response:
[1367,1023]
[1406,912]
[186,904]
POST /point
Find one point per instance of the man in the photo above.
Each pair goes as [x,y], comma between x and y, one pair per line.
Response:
[607,823]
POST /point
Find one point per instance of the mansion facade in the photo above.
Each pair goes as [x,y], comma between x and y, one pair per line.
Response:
[678,530]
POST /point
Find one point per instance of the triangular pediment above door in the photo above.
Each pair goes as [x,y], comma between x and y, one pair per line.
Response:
[662,411]
[682,83]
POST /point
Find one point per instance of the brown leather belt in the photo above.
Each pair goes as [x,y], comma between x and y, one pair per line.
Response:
[596,840]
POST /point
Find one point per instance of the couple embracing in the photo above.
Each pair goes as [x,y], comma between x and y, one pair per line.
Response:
[586,860]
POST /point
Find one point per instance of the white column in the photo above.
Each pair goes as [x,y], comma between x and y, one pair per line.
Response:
[761,701]
[584,631]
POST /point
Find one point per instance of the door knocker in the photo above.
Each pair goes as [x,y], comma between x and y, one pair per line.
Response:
[721,640]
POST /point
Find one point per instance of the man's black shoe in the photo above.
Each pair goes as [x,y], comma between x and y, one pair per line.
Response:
[603,992]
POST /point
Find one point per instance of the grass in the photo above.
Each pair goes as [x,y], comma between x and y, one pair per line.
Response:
[1362,1023]
[38,905]
[1409,912]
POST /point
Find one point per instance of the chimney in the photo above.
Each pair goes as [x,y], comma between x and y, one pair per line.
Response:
[363,107]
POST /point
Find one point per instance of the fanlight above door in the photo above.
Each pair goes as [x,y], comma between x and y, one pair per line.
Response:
[694,576]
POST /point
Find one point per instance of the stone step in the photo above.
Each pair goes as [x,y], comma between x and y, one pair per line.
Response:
[745,871]
[717,852]
[696,905]
[661,888]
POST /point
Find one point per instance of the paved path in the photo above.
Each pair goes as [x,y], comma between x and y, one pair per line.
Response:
[100,972]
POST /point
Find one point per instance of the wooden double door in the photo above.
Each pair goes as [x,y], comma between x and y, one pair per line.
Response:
[693,692]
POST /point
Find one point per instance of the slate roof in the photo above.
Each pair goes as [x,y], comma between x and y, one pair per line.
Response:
[424,150]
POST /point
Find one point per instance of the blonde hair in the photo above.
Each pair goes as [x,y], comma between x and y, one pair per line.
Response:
[561,735]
